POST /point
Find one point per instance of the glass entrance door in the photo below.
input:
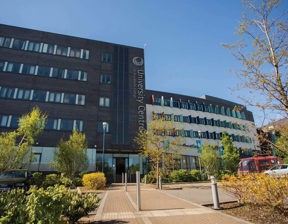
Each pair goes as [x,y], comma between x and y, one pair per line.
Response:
[121,166]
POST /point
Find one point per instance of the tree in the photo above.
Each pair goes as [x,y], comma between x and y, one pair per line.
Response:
[160,143]
[210,159]
[231,157]
[15,146]
[263,53]
[281,146]
[71,155]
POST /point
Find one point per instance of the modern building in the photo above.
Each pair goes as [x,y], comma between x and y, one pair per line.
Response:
[269,134]
[79,83]
[202,121]
[82,84]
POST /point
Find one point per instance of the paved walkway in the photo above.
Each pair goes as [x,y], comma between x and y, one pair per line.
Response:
[118,206]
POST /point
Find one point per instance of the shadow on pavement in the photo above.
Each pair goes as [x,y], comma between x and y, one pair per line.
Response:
[110,222]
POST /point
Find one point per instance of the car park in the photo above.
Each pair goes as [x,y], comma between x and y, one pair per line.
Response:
[278,170]
[10,179]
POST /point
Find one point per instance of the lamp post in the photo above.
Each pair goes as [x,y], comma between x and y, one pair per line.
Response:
[199,135]
[95,146]
[104,125]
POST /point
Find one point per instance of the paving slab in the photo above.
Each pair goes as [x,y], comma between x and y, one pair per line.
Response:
[118,206]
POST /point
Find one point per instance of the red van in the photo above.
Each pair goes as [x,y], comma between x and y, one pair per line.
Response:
[256,164]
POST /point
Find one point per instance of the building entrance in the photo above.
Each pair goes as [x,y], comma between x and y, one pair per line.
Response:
[121,166]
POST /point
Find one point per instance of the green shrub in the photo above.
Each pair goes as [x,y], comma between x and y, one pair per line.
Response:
[180,176]
[195,175]
[12,207]
[67,182]
[150,178]
[44,205]
[37,179]
[51,180]
[80,205]
[78,182]
[94,181]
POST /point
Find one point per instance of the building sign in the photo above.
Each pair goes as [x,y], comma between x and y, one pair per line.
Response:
[138,61]
[139,92]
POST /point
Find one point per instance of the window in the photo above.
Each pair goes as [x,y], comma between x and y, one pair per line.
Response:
[228,112]
[13,67]
[202,121]
[193,106]
[223,110]
[186,119]
[206,108]
[104,102]
[85,54]
[48,48]
[43,71]
[83,76]
[233,113]
[176,103]
[209,122]
[58,73]
[66,125]
[107,58]
[74,52]
[33,46]
[51,124]
[186,133]
[60,50]
[238,114]
[157,101]
[243,115]
[100,127]
[168,117]
[39,95]
[78,125]
[184,105]
[18,44]
[81,100]
[69,98]
[2,39]
[4,120]
[7,92]
[23,94]
[200,107]
[28,69]
[72,74]
[14,121]
[2,63]
[54,97]
[216,109]
[211,110]
[5,41]
[105,79]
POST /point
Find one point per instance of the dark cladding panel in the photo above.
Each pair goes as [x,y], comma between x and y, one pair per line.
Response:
[120,97]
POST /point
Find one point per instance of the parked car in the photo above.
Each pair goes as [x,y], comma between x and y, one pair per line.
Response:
[13,179]
[278,170]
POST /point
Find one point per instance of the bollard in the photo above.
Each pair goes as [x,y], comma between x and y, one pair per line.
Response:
[125,181]
[138,191]
[215,195]
[160,183]
[122,178]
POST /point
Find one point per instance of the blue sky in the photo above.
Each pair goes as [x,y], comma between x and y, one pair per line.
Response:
[182,38]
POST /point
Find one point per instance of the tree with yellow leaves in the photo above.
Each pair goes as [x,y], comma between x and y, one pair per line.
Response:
[15,146]
[159,143]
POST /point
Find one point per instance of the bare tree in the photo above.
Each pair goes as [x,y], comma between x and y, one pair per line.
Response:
[263,53]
